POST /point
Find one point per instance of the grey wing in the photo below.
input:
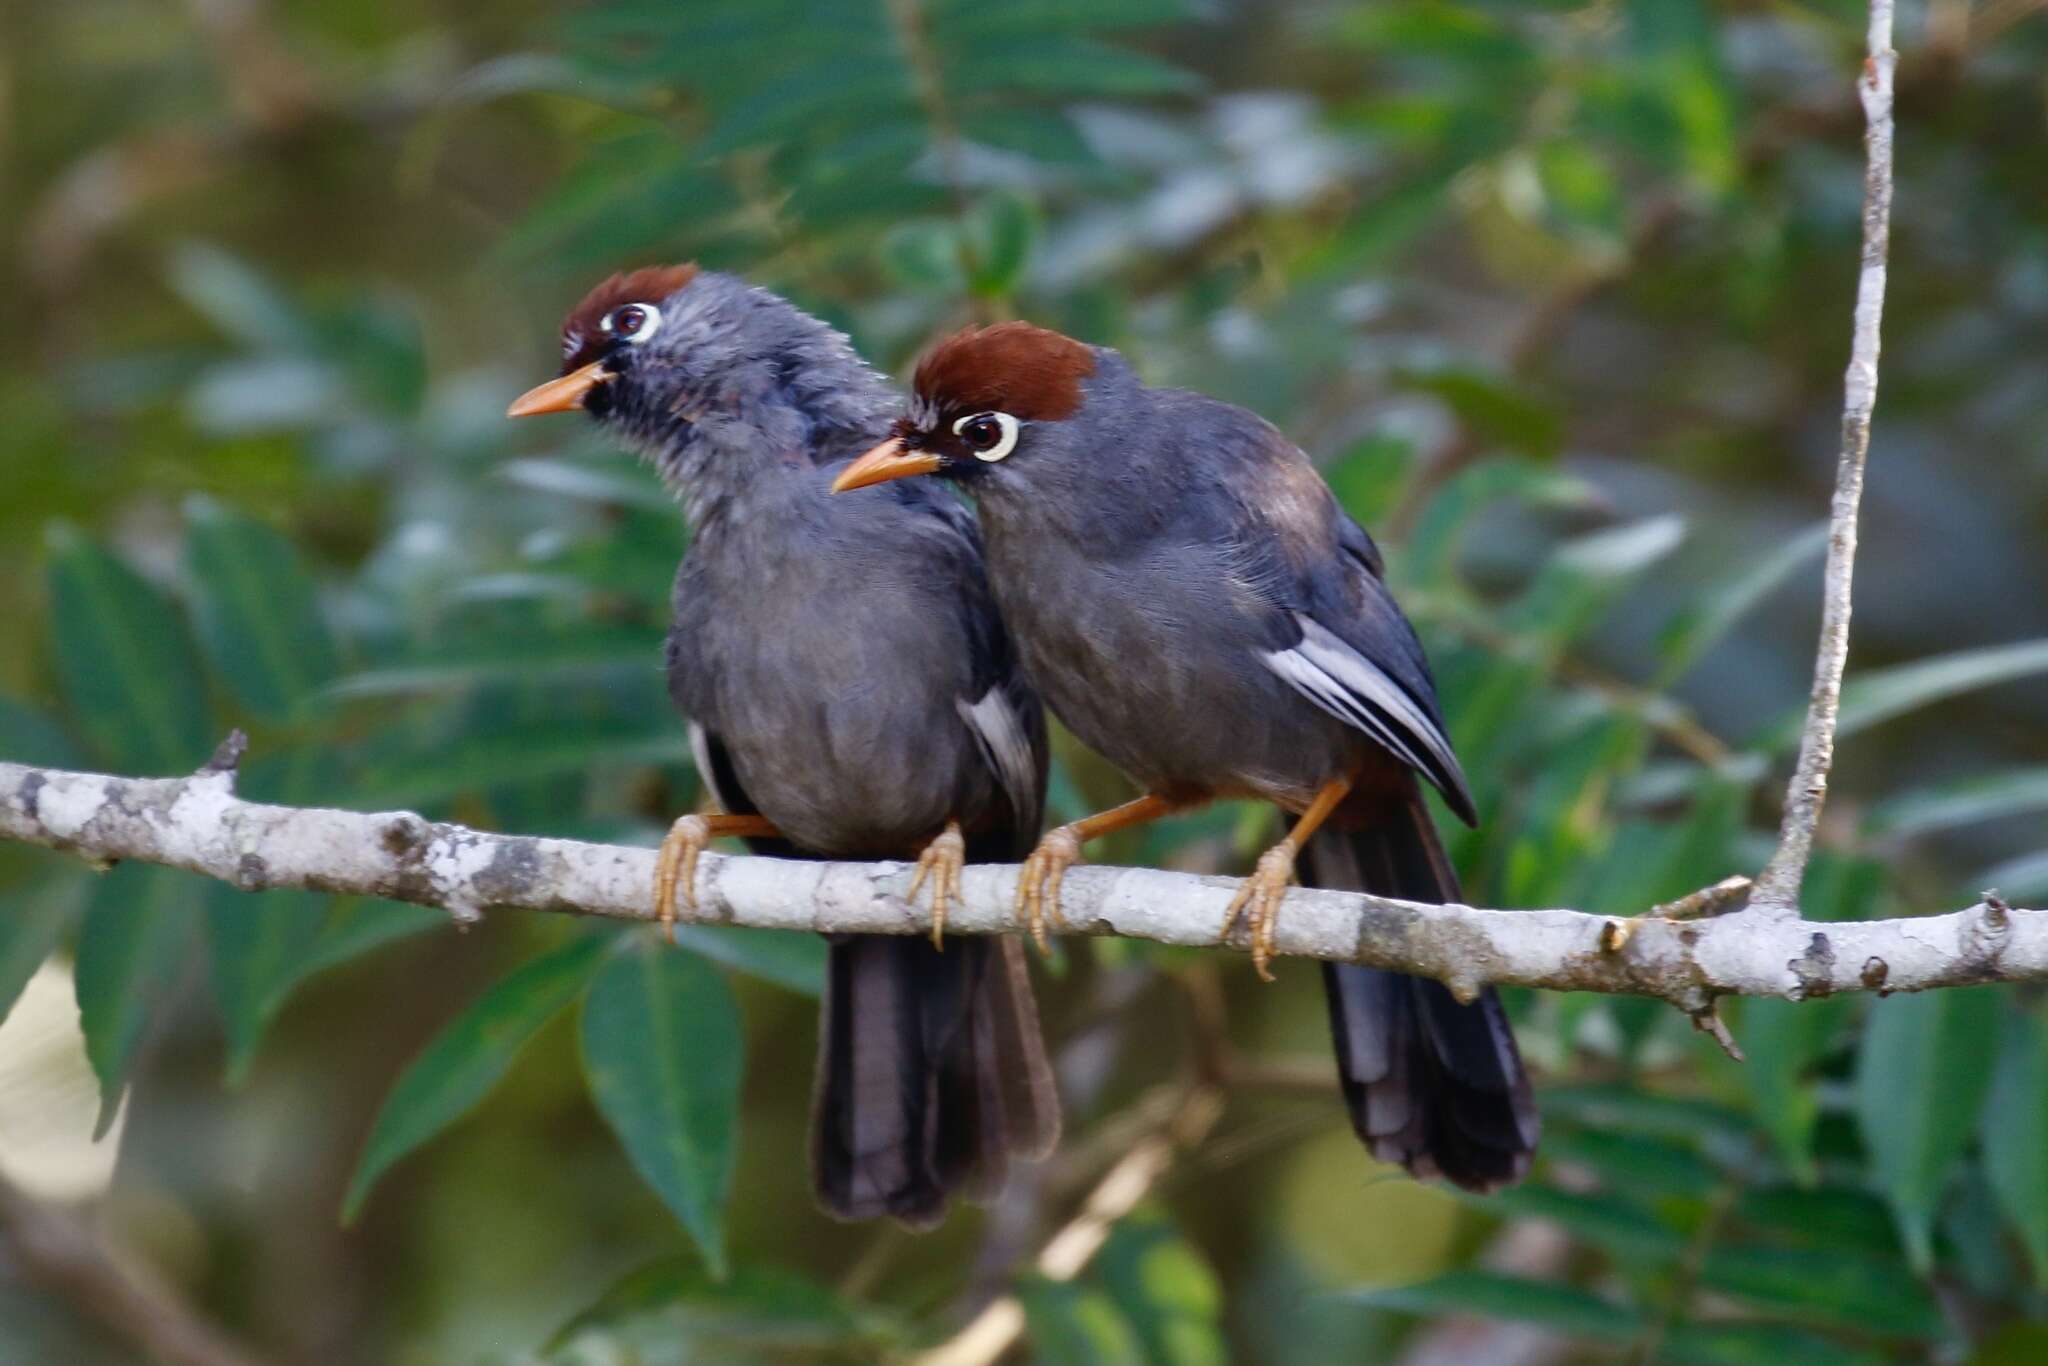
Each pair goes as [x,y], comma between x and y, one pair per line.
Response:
[1335,633]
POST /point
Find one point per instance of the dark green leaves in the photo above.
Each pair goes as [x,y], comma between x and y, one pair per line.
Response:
[258,615]
[127,667]
[1560,1308]
[673,1310]
[467,1059]
[2016,1133]
[662,1051]
[1920,1083]
[132,948]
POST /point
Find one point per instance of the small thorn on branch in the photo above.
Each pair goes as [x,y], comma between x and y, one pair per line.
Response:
[227,756]
[1708,1021]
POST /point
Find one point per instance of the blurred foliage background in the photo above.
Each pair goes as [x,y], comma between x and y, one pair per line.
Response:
[1556,291]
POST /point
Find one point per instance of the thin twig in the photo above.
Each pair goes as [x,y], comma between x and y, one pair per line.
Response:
[1777,887]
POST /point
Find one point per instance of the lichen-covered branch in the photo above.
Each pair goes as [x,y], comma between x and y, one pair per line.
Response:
[1777,887]
[198,823]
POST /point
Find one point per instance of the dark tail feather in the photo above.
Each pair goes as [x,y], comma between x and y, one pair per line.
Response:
[931,1075]
[1431,1084]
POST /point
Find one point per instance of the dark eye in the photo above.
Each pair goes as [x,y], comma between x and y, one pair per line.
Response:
[991,436]
[632,322]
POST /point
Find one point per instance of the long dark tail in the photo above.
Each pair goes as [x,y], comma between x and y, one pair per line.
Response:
[931,1075]
[1431,1084]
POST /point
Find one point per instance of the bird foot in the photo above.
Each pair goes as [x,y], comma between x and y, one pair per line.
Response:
[1038,888]
[1258,899]
[942,861]
[675,869]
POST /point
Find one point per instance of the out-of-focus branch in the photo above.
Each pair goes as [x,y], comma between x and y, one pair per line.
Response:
[1067,1253]
[59,1251]
[1777,888]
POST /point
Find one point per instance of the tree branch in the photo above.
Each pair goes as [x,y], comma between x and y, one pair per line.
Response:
[1777,887]
[60,1252]
[198,823]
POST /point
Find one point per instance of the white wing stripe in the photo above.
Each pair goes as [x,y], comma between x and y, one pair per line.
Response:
[1007,748]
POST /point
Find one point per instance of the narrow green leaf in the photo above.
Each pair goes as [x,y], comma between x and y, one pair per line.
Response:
[791,959]
[469,1057]
[259,942]
[662,1049]
[2015,1134]
[1917,1102]
[1879,695]
[1711,614]
[258,613]
[558,655]
[476,762]
[355,926]
[756,1313]
[1986,797]
[1604,1220]
[125,662]
[139,922]
[1560,1308]
[1756,1344]
[32,920]
[1865,1294]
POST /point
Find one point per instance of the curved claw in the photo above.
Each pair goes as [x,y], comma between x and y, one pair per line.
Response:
[1038,886]
[1258,898]
[675,869]
[942,862]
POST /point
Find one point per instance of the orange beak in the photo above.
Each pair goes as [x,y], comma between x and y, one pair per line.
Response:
[893,459]
[564,395]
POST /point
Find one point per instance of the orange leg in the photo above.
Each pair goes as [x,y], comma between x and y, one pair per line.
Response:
[1059,849]
[675,868]
[1263,890]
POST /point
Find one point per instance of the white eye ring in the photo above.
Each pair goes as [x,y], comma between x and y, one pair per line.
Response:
[650,322]
[1010,427]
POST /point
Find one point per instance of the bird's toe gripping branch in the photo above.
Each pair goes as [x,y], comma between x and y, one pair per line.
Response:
[1038,887]
[941,862]
[675,867]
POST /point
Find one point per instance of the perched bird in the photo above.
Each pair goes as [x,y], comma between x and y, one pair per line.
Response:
[1192,602]
[851,695]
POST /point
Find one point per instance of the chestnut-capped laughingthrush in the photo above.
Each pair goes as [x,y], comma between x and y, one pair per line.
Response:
[851,695]
[1192,602]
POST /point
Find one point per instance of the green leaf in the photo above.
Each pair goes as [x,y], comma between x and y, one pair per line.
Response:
[1000,231]
[1077,1325]
[1916,1101]
[2015,1134]
[1783,1040]
[1586,575]
[32,920]
[1865,1294]
[662,1049]
[126,665]
[1756,1344]
[792,959]
[27,736]
[1987,797]
[1713,612]
[475,762]
[1164,1291]
[469,1057]
[258,614]
[132,944]
[355,926]
[925,255]
[559,655]
[1879,695]
[672,1309]
[260,942]
[1611,1222]
[1560,1308]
